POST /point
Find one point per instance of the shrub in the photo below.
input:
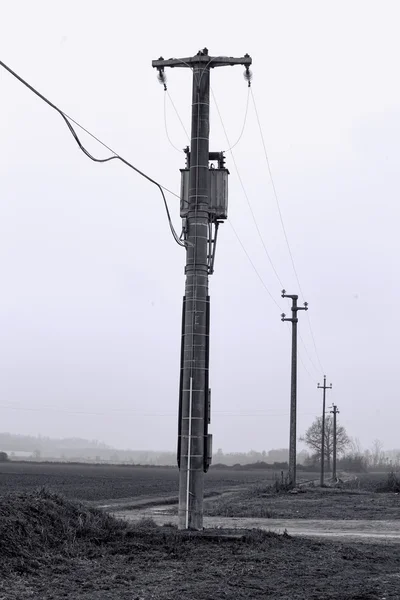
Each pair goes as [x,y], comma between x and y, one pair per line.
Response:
[392,484]
[3,457]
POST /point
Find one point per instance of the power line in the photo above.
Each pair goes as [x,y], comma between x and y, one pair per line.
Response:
[307,353]
[178,115]
[166,92]
[258,230]
[125,413]
[276,195]
[245,194]
[315,346]
[244,122]
[166,125]
[229,221]
[270,295]
[282,221]
[253,265]
[115,156]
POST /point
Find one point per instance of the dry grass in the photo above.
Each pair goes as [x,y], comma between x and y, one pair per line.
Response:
[52,548]
[38,527]
[312,503]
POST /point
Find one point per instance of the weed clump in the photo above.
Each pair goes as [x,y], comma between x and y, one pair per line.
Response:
[37,527]
[392,484]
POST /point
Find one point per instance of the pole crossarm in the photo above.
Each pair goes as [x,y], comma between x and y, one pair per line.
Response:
[324,387]
[202,59]
[294,307]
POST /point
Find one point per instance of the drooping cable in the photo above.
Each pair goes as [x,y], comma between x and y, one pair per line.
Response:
[258,230]
[253,265]
[270,295]
[244,123]
[245,194]
[115,156]
[166,125]
[282,222]
[178,115]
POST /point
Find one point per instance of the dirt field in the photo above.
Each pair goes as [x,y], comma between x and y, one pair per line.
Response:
[311,504]
[103,482]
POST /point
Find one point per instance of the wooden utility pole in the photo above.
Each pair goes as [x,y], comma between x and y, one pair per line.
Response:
[293,387]
[335,411]
[194,392]
[324,388]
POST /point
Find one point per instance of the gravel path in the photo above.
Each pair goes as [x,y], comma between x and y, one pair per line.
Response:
[362,530]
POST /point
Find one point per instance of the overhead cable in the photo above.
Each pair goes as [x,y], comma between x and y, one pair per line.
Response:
[282,221]
[245,194]
[115,156]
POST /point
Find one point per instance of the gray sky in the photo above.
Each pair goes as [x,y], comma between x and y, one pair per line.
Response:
[91,279]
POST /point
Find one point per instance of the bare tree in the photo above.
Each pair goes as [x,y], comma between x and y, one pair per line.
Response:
[355,446]
[377,453]
[312,438]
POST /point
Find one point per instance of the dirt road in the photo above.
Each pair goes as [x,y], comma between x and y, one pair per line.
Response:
[361,530]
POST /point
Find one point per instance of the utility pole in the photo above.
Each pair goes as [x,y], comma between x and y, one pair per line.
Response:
[335,411]
[293,389]
[194,442]
[324,388]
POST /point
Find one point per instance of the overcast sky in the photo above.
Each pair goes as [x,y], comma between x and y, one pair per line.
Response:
[91,279]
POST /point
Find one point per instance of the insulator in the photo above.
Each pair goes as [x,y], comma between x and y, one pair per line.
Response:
[162,78]
[248,75]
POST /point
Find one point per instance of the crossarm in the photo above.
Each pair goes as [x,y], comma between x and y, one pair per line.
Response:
[216,61]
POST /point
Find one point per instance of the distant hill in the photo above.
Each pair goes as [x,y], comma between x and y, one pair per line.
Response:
[82,450]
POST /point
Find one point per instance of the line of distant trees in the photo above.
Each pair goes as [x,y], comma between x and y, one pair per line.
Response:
[351,457]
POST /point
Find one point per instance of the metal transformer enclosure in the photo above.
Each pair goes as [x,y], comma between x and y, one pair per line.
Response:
[218,186]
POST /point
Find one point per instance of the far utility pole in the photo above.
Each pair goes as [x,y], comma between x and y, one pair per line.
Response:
[324,388]
[293,390]
[203,192]
[335,411]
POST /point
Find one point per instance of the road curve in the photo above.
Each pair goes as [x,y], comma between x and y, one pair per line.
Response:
[361,530]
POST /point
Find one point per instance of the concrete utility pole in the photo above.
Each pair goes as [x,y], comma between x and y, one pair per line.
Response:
[194,447]
[324,388]
[335,411]
[293,389]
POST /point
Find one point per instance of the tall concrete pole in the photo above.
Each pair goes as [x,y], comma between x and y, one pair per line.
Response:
[323,388]
[293,386]
[335,412]
[195,336]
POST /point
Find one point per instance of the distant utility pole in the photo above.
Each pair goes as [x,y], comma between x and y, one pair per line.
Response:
[293,390]
[203,204]
[324,388]
[335,411]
